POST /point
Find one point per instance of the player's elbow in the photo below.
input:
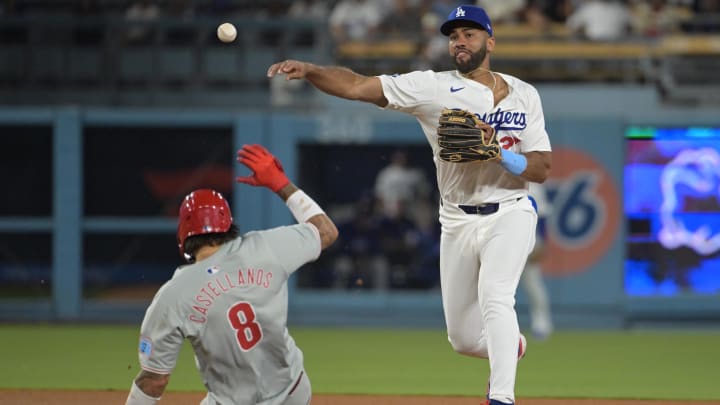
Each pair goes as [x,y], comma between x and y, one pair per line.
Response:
[327,229]
[539,166]
[541,175]
[329,236]
[373,98]
[369,90]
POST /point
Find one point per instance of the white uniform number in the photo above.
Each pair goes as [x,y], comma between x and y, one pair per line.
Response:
[242,318]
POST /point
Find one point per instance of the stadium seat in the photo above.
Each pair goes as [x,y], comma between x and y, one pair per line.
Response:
[220,65]
[135,65]
[177,64]
[13,65]
[84,65]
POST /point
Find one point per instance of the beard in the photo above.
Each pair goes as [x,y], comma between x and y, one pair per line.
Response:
[476,59]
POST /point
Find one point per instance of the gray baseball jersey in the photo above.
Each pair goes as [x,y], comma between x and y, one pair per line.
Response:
[232,307]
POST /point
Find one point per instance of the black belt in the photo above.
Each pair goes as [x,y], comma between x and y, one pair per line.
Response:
[483,209]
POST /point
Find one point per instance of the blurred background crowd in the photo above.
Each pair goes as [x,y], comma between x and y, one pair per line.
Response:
[366,19]
[541,40]
[116,44]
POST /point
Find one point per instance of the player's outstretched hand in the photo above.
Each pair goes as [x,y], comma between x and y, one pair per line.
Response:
[267,170]
[292,69]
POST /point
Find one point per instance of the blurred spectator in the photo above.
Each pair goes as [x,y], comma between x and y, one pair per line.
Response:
[181,34]
[434,52]
[400,240]
[352,20]
[403,20]
[141,12]
[359,261]
[309,9]
[182,9]
[707,16]
[302,9]
[506,11]
[221,7]
[557,10]
[268,10]
[541,13]
[532,282]
[442,8]
[87,7]
[657,17]
[397,185]
[707,6]
[93,32]
[426,272]
[601,20]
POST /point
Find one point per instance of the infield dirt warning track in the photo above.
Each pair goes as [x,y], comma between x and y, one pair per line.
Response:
[63,397]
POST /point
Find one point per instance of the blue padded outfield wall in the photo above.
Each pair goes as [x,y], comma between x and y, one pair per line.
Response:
[586,266]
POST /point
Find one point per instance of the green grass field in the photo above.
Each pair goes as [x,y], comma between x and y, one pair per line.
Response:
[651,365]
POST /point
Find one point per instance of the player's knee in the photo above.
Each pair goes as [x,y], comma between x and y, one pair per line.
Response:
[465,345]
[461,346]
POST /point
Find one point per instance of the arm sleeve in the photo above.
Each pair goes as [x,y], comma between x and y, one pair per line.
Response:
[537,138]
[407,91]
[160,335]
[293,246]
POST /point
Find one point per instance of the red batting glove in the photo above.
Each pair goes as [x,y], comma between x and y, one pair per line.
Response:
[267,170]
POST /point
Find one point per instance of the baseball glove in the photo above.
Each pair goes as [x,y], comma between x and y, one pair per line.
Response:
[463,137]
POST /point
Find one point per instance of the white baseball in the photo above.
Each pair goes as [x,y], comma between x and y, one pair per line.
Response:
[226,32]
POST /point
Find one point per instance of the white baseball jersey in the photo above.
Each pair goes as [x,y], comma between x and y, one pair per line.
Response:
[518,120]
[232,307]
[477,275]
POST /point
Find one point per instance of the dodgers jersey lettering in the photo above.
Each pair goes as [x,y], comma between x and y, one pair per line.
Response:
[234,302]
[518,120]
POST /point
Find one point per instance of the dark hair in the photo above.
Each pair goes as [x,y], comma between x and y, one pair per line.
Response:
[194,243]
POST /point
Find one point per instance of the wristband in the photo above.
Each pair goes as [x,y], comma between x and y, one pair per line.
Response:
[138,397]
[515,163]
[302,206]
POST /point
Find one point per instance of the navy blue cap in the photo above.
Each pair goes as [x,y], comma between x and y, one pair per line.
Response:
[465,13]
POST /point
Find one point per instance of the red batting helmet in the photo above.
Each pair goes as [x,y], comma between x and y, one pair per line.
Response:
[203,211]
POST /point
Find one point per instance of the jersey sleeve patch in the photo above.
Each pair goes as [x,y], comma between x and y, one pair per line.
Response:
[145,347]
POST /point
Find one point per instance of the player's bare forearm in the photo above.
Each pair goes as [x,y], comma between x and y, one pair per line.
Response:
[328,231]
[334,80]
[152,384]
[287,191]
[538,166]
[344,83]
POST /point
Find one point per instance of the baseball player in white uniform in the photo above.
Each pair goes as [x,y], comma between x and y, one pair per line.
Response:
[532,279]
[231,300]
[488,223]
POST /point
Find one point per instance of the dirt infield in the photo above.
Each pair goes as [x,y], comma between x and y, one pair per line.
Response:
[50,397]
